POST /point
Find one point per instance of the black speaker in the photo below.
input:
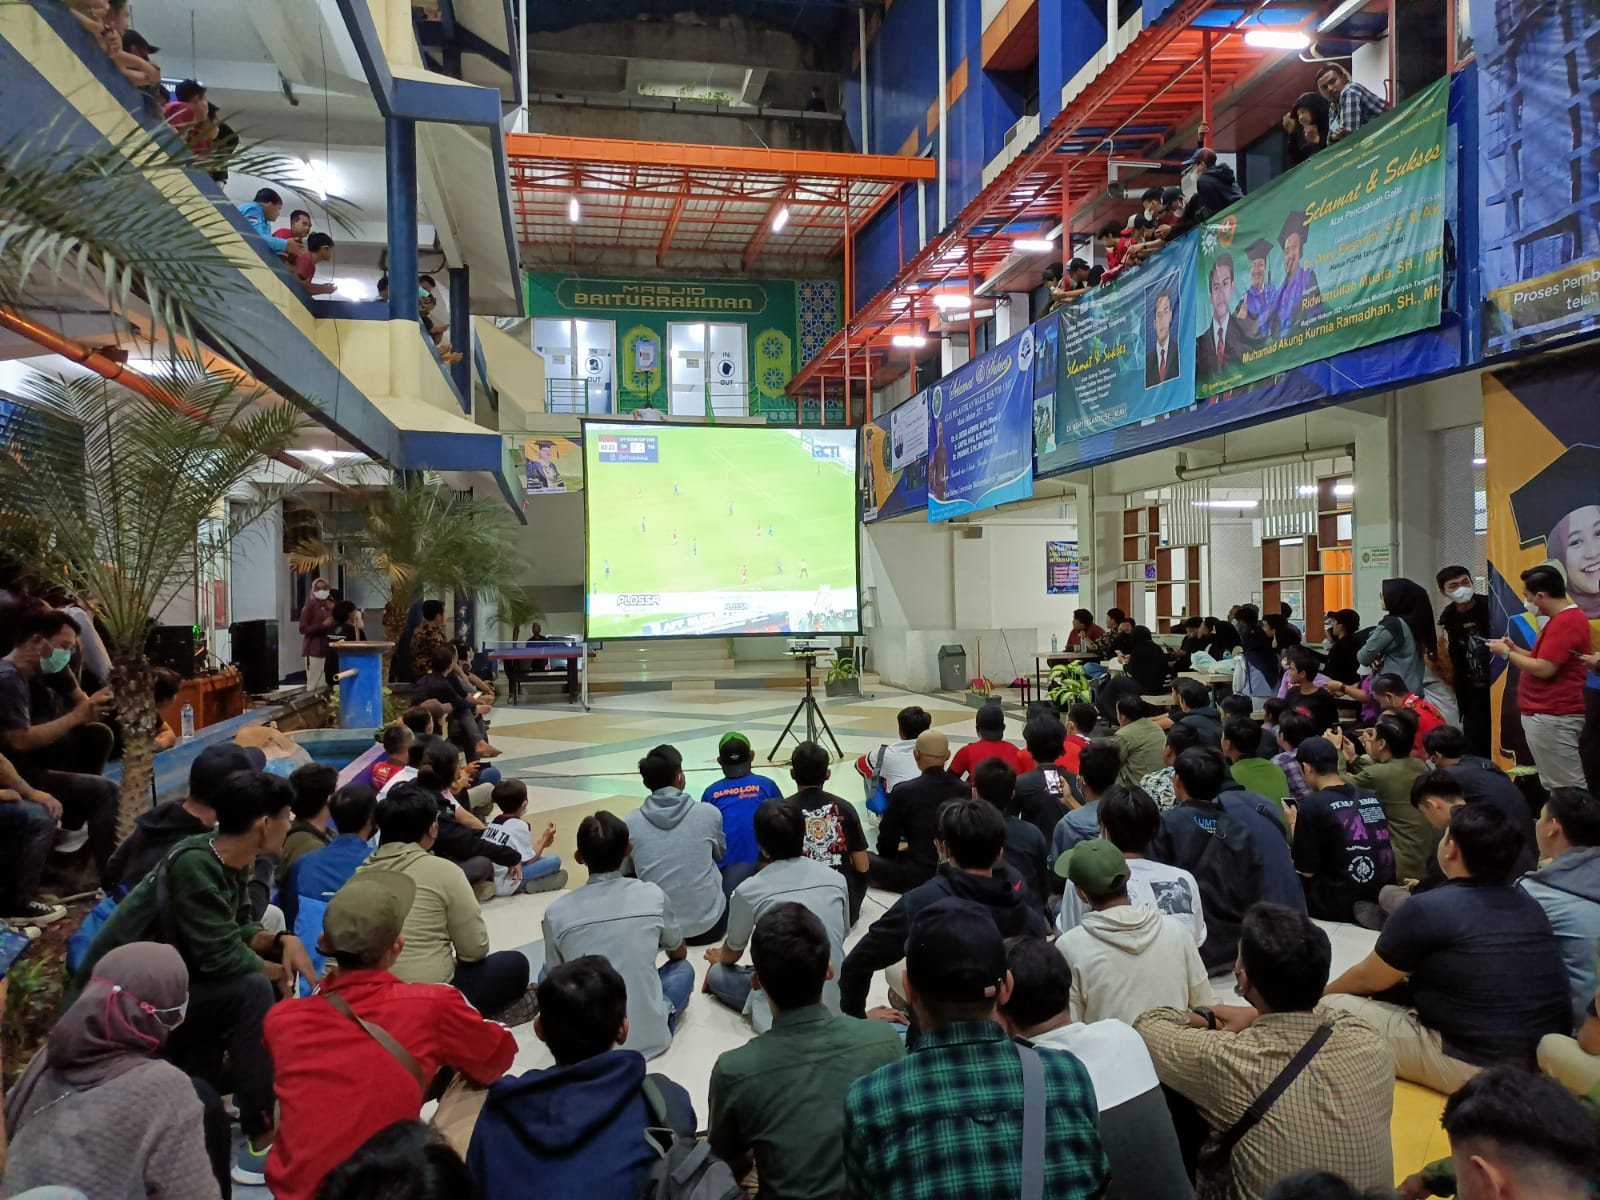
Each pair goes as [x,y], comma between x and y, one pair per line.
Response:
[255,653]
[173,647]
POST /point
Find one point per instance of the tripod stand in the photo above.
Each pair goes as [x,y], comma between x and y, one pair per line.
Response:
[808,705]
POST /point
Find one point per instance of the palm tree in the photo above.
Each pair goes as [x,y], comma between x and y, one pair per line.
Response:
[146,504]
[417,539]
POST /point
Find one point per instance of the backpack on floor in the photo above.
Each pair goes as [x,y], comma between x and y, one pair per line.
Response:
[686,1170]
[94,920]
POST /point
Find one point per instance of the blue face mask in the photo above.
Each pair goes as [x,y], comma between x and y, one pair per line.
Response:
[56,661]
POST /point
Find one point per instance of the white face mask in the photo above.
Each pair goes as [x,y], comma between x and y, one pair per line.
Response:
[1531,605]
[1460,595]
[321,593]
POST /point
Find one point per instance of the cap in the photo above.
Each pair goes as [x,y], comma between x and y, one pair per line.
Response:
[1542,503]
[1260,248]
[933,744]
[545,445]
[1195,159]
[216,763]
[1096,866]
[134,41]
[1053,270]
[1295,222]
[367,914]
[955,952]
[734,745]
[1077,264]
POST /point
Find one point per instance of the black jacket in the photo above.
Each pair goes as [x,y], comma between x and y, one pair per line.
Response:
[1207,722]
[154,833]
[1484,783]
[459,842]
[1216,189]
[912,816]
[1003,894]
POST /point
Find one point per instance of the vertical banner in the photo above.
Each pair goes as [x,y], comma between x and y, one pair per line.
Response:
[555,463]
[1344,251]
[1061,568]
[1543,484]
[1126,353]
[981,432]
[894,462]
[1539,158]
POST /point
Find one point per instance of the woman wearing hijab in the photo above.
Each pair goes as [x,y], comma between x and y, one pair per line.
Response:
[1305,128]
[1405,635]
[1221,638]
[1145,662]
[1255,646]
[96,1109]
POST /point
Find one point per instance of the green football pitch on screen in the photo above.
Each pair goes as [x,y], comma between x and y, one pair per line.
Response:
[711,530]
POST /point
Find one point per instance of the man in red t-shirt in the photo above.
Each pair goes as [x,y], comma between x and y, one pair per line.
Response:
[319,249]
[1550,691]
[337,1083]
[991,743]
[1085,633]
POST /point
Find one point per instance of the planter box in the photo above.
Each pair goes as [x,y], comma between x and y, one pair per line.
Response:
[842,687]
[976,701]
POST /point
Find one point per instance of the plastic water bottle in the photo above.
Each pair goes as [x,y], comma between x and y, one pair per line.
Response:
[1052,643]
[187,722]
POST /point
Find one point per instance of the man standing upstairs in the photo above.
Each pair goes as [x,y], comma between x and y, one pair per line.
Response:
[1353,104]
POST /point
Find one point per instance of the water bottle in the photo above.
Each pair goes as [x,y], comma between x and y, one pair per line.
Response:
[1052,643]
[187,722]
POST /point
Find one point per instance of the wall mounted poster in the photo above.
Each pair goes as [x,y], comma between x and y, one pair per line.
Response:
[555,463]
[1344,251]
[893,479]
[982,432]
[1061,568]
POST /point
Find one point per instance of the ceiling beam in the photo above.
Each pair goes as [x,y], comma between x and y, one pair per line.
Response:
[764,230]
[672,223]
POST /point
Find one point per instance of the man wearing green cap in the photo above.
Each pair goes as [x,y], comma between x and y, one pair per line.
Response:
[1126,958]
[737,795]
[358,1056]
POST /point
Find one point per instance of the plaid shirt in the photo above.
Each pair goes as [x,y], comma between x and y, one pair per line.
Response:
[946,1122]
[1334,1117]
[1357,106]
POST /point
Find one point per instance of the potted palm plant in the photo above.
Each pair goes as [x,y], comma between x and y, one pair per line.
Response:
[1067,685]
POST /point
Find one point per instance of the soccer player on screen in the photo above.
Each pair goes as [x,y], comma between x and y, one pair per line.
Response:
[744,573]
[694,548]
[780,566]
[803,572]
[641,525]
[674,537]
[674,487]
[608,568]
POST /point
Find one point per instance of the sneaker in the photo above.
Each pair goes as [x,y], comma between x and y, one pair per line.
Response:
[250,1165]
[552,882]
[483,890]
[35,912]
[1367,914]
[520,1011]
[70,841]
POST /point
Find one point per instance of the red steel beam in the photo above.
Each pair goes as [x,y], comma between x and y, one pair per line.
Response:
[672,224]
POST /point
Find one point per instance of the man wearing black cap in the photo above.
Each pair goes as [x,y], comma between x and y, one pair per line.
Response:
[163,827]
[967,1112]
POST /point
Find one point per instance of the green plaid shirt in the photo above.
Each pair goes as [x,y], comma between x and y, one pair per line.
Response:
[946,1122]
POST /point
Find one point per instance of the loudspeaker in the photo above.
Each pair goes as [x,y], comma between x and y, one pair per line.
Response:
[255,653]
[173,647]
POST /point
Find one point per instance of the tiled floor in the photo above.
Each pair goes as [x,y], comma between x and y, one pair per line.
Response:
[575,763]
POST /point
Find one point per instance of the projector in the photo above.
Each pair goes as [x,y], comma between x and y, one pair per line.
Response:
[809,646]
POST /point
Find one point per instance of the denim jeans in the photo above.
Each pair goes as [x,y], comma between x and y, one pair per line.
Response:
[677,984]
[494,982]
[27,832]
[731,985]
[545,864]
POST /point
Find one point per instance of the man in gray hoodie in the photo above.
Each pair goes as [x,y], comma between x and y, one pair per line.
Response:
[676,844]
[1569,888]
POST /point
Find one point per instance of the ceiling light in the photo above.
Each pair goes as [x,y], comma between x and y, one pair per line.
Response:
[326,457]
[574,211]
[780,219]
[1344,489]
[1307,489]
[1480,462]
[1277,39]
[1223,503]
[908,341]
[317,177]
[1033,245]
[947,300]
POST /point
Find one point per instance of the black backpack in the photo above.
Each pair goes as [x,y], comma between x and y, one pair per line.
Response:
[1229,874]
[686,1170]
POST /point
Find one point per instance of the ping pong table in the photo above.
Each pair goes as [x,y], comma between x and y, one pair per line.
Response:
[573,652]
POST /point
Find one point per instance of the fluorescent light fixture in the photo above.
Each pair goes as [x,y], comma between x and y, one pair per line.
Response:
[1223,503]
[352,289]
[326,457]
[908,341]
[574,211]
[317,176]
[1344,489]
[1480,462]
[1333,19]
[1033,245]
[948,300]
[1276,39]
[780,219]
[1307,489]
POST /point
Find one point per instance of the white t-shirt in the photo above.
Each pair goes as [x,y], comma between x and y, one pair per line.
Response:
[406,775]
[899,763]
[513,832]
[1171,890]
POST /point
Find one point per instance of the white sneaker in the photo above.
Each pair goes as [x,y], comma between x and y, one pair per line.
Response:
[70,841]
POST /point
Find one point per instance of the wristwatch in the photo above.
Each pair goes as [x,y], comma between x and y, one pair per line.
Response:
[1211,1017]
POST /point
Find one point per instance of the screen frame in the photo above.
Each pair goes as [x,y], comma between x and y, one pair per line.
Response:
[643,427]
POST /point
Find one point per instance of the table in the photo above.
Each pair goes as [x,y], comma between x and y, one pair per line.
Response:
[575,654]
[1209,678]
[1043,659]
[215,697]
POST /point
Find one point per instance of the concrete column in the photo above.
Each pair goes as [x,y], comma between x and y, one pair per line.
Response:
[953,352]
[1010,315]
[400,178]
[1374,524]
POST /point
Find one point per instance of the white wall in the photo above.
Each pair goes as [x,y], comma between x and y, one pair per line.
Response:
[259,586]
[1234,568]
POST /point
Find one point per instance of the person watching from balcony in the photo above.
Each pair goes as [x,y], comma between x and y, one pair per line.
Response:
[262,212]
[299,225]
[1352,104]
[319,249]
[1305,128]
[1149,213]
[187,110]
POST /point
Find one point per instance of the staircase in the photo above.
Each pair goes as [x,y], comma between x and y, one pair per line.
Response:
[656,665]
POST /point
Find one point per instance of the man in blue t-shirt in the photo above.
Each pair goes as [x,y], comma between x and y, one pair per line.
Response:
[737,796]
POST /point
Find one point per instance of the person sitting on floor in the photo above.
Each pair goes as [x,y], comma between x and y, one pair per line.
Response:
[163,827]
[1241,744]
[833,836]
[1293,728]
[786,876]
[895,762]
[737,796]
[1513,1136]
[777,1102]
[676,843]
[906,857]
[971,837]
[397,741]
[1387,767]
[1333,1113]
[27,835]
[990,725]
[1568,888]
[1026,850]
[1485,979]
[536,871]
[101,1070]
[320,874]
[1126,958]
[1130,820]
[460,837]
[1341,837]
[1140,740]
[442,681]
[1304,689]
[446,940]
[1042,791]
[628,922]
[1135,1127]
[198,899]
[1099,770]
[926,1126]
[1479,779]
[581,1127]
[313,785]
[1158,784]
[1193,699]
[337,1083]
[54,736]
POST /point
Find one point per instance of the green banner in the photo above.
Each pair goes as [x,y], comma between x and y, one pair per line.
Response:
[1343,251]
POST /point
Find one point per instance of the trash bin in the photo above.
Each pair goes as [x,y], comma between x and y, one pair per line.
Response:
[953,668]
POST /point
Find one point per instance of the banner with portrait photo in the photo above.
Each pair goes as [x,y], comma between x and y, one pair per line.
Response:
[554,463]
[1344,251]
[981,432]
[894,461]
[1543,496]
[1126,353]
